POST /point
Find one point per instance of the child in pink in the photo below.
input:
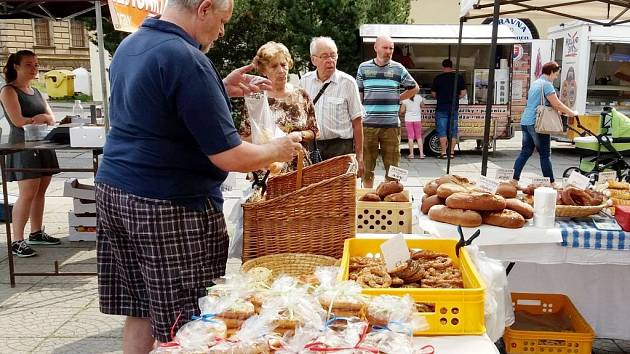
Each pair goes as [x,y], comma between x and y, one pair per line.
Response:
[411,109]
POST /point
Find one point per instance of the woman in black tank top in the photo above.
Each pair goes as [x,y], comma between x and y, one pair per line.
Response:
[24,105]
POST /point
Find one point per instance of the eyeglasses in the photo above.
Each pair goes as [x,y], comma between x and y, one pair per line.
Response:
[327,56]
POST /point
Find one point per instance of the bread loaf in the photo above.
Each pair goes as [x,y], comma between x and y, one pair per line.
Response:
[477,201]
[526,210]
[396,197]
[430,201]
[445,190]
[370,197]
[389,187]
[453,179]
[465,218]
[507,190]
[431,188]
[505,218]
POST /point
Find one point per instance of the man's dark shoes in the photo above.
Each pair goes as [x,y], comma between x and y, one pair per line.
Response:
[42,238]
[22,249]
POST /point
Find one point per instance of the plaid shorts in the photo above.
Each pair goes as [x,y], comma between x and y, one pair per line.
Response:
[155,258]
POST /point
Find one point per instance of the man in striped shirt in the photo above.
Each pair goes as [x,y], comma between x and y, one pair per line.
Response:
[380,81]
[338,108]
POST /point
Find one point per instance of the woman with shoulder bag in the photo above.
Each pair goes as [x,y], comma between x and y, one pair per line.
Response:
[541,91]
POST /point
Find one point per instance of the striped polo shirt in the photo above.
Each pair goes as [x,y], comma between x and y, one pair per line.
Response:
[381,87]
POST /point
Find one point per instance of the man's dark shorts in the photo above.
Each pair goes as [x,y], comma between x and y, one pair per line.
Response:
[156,258]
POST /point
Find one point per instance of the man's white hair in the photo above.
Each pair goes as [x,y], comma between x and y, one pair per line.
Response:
[193,4]
[317,40]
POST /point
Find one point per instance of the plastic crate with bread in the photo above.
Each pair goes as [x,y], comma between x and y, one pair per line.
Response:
[386,209]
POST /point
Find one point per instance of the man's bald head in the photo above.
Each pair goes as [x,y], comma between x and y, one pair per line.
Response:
[384,48]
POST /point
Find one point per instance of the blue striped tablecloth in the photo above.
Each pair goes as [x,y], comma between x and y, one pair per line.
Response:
[583,234]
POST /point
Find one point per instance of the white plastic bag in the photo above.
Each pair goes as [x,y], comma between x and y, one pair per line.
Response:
[498,306]
[235,249]
[263,125]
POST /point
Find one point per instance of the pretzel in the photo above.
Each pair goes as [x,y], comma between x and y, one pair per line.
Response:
[374,277]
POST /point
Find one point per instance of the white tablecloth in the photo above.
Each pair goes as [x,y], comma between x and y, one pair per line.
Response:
[596,281]
[459,344]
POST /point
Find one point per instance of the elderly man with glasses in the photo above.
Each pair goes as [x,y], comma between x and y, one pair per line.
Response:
[338,106]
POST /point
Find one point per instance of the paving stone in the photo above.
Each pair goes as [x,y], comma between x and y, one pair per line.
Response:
[33,321]
[90,322]
[11,345]
[623,344]
[46,296]
[83,345]
[605,346]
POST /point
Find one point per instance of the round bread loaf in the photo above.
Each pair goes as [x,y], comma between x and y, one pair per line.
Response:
[507,190]
[505,218]
[465,218]
[396,197]
[430,201]
[389,187]
[370,197]
[453,179]
[431,188]
[526,210]
[477,201]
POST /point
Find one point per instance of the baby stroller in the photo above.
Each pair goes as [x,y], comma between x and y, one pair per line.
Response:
[604,151]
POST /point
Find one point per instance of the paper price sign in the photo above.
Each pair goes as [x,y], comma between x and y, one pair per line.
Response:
[504,174]
[395,252]
[607,176]
[541,180]
[398,173]
[488,184]
[579,180]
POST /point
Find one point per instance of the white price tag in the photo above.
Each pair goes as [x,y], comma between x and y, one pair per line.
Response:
[607,176]
[398,173]
[488,184]
[541,180]
[579,180]
[504,174]
[395,252]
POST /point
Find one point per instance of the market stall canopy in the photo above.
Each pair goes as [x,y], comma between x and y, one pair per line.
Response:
[50,9]
[601,12]
[446,34]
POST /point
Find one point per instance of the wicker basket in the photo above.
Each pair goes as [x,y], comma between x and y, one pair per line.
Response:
[314,219]
[575,211]
[293,264]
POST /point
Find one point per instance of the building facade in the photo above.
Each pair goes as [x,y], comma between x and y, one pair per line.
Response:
[58,44]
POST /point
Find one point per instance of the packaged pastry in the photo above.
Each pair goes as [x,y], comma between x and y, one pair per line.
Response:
[255,336]
[291,306]
[341,298]
[383,309]
[199,334]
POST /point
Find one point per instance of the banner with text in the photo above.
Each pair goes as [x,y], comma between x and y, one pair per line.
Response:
[128,15]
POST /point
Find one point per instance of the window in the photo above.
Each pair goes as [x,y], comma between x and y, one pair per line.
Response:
[42,32]
[77,33]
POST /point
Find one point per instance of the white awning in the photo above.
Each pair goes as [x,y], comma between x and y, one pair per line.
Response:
[446,34]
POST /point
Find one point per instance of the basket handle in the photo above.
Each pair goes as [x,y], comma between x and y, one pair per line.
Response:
[300,167]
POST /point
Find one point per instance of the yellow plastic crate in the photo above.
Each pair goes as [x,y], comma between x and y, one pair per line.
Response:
[383,217]
[528,342]
[457,311]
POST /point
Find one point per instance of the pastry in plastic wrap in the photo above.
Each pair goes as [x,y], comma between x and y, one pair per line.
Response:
[341,298]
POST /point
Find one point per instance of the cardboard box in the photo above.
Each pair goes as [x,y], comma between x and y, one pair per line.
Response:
[87,220]
[81,206]
[72,188]
[87,136]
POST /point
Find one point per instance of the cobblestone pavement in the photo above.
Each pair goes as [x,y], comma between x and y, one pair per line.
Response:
[60,314]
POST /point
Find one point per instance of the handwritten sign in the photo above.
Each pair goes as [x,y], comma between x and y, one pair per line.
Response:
[579,180]
[607,176]
[395,252]
[541,180]
[504,174]
[488,184]
[398,173]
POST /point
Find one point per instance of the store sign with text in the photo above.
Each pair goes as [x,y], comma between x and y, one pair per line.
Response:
[128,15]
[518,27]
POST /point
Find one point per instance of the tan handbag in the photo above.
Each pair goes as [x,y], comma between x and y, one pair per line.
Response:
[548,120]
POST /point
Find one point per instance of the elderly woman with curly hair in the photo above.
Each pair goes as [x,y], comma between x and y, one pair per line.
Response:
[291,107]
